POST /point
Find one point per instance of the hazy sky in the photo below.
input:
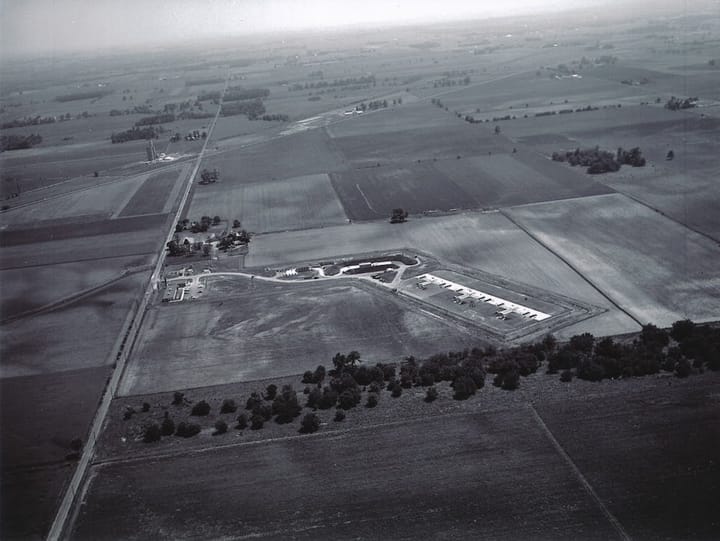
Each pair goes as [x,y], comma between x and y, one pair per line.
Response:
[43,25]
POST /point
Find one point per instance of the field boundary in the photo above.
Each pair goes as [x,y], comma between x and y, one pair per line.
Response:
[569,264]
[126,340]
[583,481]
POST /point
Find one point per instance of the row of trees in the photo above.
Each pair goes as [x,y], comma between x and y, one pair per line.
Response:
[686,347]
[253,109]
[33,121]
[238,93]
[366,80]
[675,104]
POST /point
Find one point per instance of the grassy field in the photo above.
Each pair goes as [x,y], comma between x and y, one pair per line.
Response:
[447,476]
[661,273]
[293,203]
[241,332]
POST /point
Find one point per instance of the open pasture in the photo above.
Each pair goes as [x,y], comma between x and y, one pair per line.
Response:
[373,192]
[293,203]
[306,153]
[245,331]
[660,273]
[301,486]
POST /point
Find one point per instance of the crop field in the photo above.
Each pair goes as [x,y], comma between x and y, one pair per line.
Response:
[154,194]
[446,476]
[40,415]
[240,333]
[293,203]
[30,288]
[513,179]
[658,473]
[661,273]
[372,193]
[75,336]
[306,153]
[421,144]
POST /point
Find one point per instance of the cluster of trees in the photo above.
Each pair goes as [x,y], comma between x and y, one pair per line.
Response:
[17,142]
[398,216]
[601,161]
[32,121]
[234,238]
[358,82]
[253,109]
[206,81]
[691,347]
[276,118]
[136,133]
[87,95]
[373,105]
[675,104]
[208,177]
[452,82]
[238,93]
[209,95]
[197,227]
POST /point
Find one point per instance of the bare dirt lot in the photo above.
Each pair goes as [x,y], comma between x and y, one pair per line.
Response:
[293,203]
[243,331]
[661,273]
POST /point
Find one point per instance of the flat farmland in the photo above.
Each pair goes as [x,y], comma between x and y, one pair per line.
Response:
[153,196]
[40,416]
[655,268]
[31,288]
[651,459]
[447,477]
[421,144]
[513,179]
[372,193]
[78,335]
[306,153]
[100,202]
[74,247]
[294,203]
[243,332]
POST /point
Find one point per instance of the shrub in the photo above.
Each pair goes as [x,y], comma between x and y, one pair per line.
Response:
[151,433]
[228,406]
[372,400]
[254,401]
[310,424]
[286,405]
[178,398]
[464,387]
[271,392]
[396,390]
[682,330]
[590,371]
[128,413]
[349,398]
[339,416]
[431,394]
[313,399]
[566,376]
[683,368]
[167,428]
[200,409]
[328,399]
[187,430]
[257,421]
[145,407]
[582,342]
[220,427]
[242,422]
